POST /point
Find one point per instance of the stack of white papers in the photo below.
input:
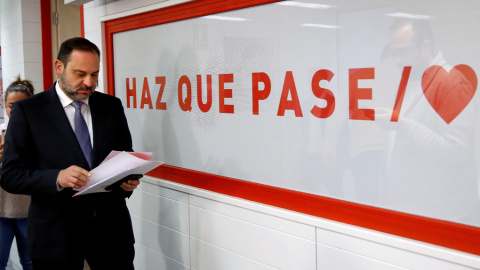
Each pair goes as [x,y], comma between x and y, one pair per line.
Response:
[115,167]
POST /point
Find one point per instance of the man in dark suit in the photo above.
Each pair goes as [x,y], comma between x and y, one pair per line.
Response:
[45,158]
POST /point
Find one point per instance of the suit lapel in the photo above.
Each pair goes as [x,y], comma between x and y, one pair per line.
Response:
[98,124]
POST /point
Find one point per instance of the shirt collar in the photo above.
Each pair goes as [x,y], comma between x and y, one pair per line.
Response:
[64,99]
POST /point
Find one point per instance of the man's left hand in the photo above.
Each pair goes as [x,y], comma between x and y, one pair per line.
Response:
[130,185]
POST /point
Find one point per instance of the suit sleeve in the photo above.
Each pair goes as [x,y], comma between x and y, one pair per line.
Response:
[124,136]
[124,128]
[19,173]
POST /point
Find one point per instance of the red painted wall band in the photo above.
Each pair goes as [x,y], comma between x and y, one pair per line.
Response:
[46,43]
[82,22]
[45,19]
[448,234]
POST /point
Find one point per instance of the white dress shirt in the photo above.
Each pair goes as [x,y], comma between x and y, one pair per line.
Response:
[70,110]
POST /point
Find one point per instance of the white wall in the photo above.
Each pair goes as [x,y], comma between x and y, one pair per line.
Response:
[21,41]
[179,227]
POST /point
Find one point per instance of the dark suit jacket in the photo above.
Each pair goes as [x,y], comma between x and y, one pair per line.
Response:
[39,143]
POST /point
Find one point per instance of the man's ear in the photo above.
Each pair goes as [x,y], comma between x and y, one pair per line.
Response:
[59,67]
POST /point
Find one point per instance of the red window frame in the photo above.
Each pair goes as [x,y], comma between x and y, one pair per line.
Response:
[439,232]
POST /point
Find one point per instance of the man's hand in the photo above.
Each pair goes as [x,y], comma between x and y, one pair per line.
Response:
[130,185]
[73,176]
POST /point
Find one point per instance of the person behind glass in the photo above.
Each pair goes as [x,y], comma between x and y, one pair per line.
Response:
[59,136]
[13,207]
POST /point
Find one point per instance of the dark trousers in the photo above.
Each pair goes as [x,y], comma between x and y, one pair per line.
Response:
[104,244]
[105,260]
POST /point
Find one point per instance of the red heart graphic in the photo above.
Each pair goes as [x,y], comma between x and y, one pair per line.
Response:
[449,92]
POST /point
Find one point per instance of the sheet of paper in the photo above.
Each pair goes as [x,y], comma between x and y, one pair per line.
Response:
[142,155]
[115,167]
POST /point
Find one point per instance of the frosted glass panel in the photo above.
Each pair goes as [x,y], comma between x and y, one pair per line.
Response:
[366,101]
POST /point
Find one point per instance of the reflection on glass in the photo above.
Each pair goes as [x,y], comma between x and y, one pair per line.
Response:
[411,145]
[429,167]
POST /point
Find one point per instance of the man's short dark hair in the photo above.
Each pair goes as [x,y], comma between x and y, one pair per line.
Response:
[76,43]
[421,29]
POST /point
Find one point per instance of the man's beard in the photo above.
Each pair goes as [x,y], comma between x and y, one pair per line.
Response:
[73,93]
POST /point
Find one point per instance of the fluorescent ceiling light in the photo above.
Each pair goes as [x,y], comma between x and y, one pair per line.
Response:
[409,15]
[304,5]
[224,18]
[321,25]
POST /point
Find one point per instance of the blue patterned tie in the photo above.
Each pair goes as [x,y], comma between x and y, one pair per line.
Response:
[82,133]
